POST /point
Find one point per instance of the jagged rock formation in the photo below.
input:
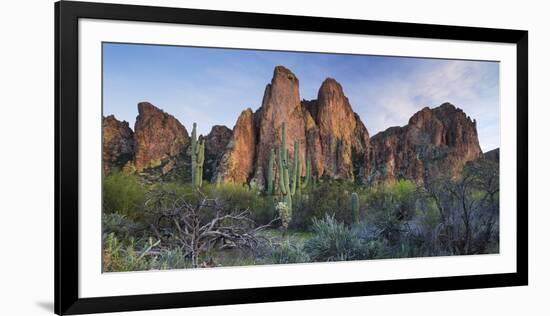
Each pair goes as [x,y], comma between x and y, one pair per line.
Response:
[159,138]
[118,143]
[329,133]
[237,163]
[493,155]
[436,141]
[343,138]
[281,103]
[327,129]
[215,143]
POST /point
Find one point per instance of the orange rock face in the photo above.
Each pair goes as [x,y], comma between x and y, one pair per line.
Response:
[159,137]
[281,103]
[343,138]
[118,143]
[436,141]
[237,164]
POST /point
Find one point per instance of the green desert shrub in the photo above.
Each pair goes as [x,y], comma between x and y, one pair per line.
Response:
[429,215]
[333,241]
[120,256]
[288,252]
[123,194]
[120,225]
[397,199]
[404,194]
[172,259]
[327,197]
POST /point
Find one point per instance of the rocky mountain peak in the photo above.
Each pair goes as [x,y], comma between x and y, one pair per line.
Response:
[341,132]
[280,104]
[281,72]
[159,137]
[147,109]
[237,163]
[117,143]
[438,140]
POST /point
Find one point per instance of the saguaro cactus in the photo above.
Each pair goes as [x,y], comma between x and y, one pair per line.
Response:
[270,180]
[199,164]
[284,178]
[355,207]
[295,174]
[197,158]
[193,155]
[307,180]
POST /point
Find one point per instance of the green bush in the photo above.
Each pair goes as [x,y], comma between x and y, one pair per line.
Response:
[404,196]
[123,194]
[118,224]
[119,257]
[429,216]
[172,259]
[287,252]
[333,241]
[131,254]
[327,197]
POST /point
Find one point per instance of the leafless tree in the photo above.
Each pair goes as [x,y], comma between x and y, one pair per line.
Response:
[196,224]
[468,207]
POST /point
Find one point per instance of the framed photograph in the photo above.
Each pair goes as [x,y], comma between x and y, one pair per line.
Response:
[209,157]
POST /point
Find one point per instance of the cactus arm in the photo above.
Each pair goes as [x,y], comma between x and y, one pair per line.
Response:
[286,180]
[294,176]
[299,185]
[200,164]
[281,172]
[197,158]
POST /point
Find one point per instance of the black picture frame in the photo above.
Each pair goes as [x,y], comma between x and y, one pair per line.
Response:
[67,15]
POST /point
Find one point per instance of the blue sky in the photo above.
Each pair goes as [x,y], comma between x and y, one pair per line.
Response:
[212,86]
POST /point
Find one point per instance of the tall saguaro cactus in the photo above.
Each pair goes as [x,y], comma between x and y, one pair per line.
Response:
[197,158]
[193,150]
[200,164]
[295,174]
[303,185]
[289,175]
[284,178]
